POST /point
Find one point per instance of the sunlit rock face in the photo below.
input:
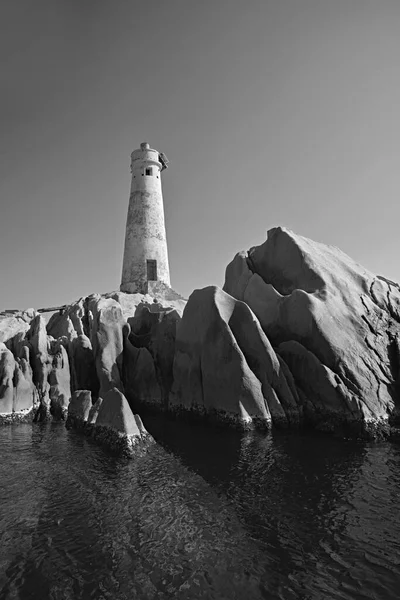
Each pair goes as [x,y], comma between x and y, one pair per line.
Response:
[335,324]
[107,340]
[225,366]
[7,367]
[123,341]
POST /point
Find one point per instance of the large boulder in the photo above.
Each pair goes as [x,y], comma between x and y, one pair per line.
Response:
[107,341]
[336,325]
[7,368]
[41,361]
[115,413]
[12,324]
[25,393]
[15,355]
[59,380]
[225,366]
[117,427]
[70,321]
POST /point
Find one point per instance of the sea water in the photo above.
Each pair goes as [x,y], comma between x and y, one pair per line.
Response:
[205,513]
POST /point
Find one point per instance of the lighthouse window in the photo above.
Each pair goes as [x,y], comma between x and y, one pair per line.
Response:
[151,270]
[149,171]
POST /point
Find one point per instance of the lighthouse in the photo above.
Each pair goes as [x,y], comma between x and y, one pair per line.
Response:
[145,265]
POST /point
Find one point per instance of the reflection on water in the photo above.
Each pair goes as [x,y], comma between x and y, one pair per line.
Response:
[204,514]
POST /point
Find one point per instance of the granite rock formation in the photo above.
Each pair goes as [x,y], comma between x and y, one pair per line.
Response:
[110,422]
[7,368]
[87,346]
[225,365]
[300,334]
[335,324]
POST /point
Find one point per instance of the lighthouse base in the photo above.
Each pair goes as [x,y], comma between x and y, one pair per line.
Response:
[156,289]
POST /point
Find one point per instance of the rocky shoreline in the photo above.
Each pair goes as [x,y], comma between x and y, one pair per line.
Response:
[299,336]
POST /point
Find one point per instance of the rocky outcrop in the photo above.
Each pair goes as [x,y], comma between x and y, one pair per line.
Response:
[12,324]
[300,334]
[225,367]
[41,364]
[110,422]
[59,380]
[7,368]
[26,396]
[88,346]
[131,302]
[18,395]
[107,343]
[335,324]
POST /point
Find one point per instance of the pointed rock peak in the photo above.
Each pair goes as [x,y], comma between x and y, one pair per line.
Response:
[116,414]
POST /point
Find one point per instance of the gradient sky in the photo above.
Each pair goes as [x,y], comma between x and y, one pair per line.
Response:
[271,112]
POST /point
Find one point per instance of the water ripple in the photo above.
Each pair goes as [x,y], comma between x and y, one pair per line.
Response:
[204,514]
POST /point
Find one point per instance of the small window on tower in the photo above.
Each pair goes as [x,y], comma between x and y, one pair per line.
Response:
[149,171]
[151,270]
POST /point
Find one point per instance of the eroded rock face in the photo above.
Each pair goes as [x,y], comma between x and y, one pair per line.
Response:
[107,343]
[40,360]
[224,364]
[104,352]
[26,396]
[7,368]
[335,324]
[86,346]
[11,325]
[60,381]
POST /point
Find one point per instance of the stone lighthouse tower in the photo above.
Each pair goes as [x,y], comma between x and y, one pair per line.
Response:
[145,267]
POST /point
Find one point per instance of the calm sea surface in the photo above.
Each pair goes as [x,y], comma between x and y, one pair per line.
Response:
[204,514]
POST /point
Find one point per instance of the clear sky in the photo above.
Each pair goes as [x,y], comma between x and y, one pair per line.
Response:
[271,112]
